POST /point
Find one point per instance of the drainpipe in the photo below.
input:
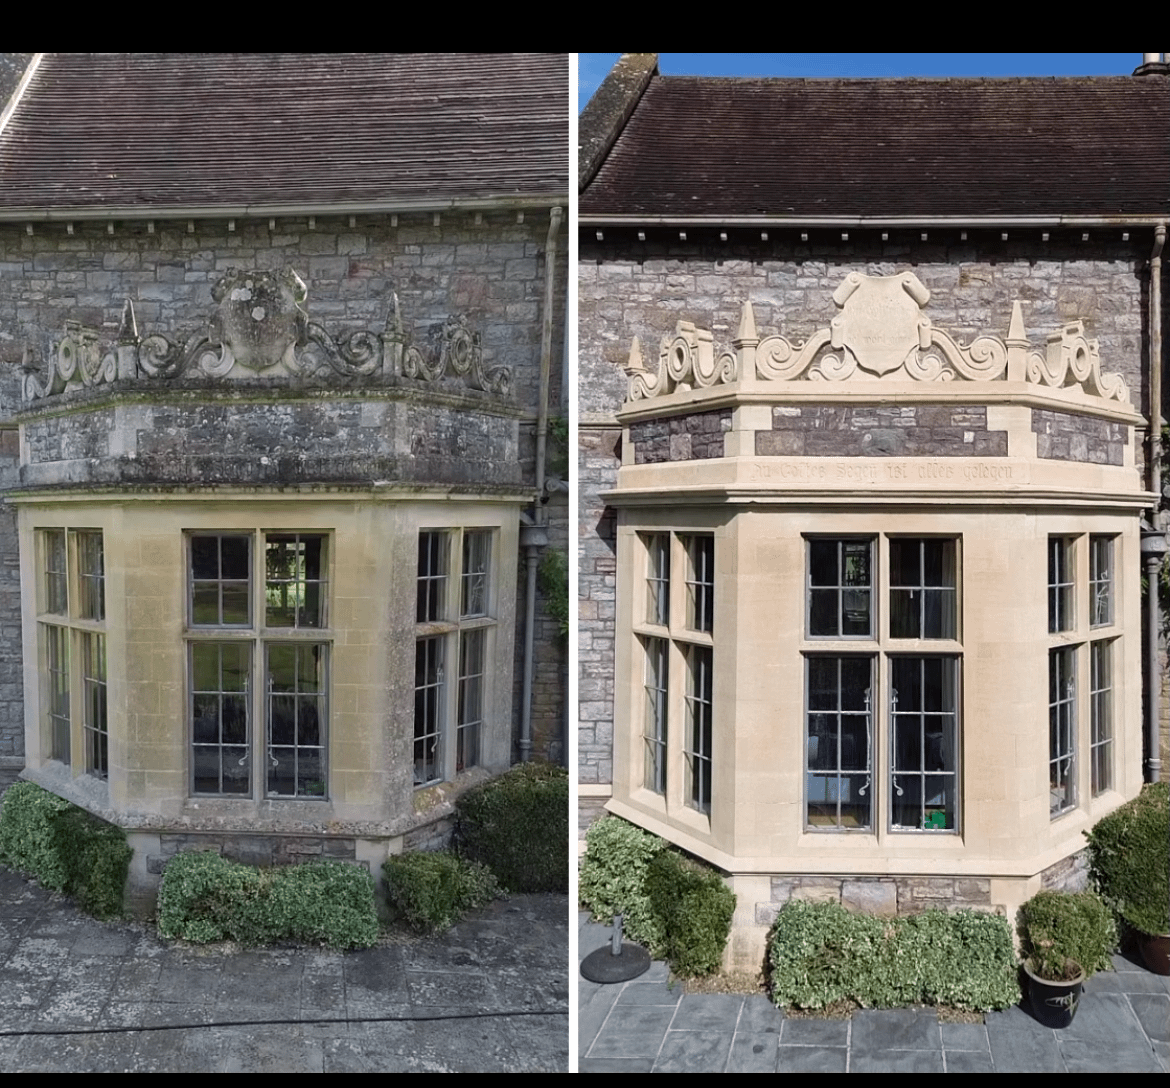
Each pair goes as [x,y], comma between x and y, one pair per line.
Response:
[534,537]
[1154,544]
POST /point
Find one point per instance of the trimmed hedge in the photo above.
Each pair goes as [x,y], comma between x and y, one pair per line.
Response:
[679,908]
[694,908]
[204,897]
[1059,926]
[432,891]
[821,953]
[65,848]
[1128,859]
[612,879]
[518,826]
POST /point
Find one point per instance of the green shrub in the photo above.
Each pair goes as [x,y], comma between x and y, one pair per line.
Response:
[204,897]
[518,826]
[432,891]
[612,878]
[65,848]
[693,907]
[820,953]
[1058,926]
[1128,852]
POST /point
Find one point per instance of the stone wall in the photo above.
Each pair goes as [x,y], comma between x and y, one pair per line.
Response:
[597,558]
[878,895]
[231,437]
[630,288]
[680,438]
[881,430]
[1062,436]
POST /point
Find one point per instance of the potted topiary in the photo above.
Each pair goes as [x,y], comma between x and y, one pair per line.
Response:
[1065,937]
[1128,864]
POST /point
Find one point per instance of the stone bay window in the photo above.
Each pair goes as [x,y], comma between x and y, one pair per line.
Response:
[235,629]
[872,619]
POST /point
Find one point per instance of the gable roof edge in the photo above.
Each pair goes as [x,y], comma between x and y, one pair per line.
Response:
[10,107]
[606,113]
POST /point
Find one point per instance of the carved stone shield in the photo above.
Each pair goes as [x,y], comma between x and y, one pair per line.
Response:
[260,316]
[880,318]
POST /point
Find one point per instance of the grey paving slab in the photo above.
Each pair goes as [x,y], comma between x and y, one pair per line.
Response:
[811,1059]
[760,1015]
[1162,1052]
[694,1052]
[1106,1020]
[804,1032]
[708,1012]
[1081,1056]
[1024,1051]
[639,992]
[896,1061]
[1153,1013]
[592,1010]
[877,1030]
[615,1065]
[964,1037]
[754,1052]
[968,1061]
[633,1031]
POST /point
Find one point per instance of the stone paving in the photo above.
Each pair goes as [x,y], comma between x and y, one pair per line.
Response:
[647,1026]
[78,995]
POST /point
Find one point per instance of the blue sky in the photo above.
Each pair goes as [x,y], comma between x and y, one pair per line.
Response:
[593,67]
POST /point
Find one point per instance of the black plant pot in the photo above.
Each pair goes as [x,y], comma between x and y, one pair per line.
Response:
[1054,1004]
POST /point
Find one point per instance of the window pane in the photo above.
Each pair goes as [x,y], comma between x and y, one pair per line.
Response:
[220,754]
[428,689]
[655,721]
[57,639]
[294,584]
[1100,581]
[56,578]
[220,580]
[1060,584]
[699,699]
[477,547]
[924,715]
[432,576]
[295,709]
[94,724]
[1061,731]
[1101,705]
[91,576]
[839,750]
[658,579]
[923,583]
[700,582]
[840,588]
[472,645]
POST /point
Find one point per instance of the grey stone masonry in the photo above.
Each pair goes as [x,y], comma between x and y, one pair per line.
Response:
[262,850]
[628,288]
[681,438]
[284,438]
[1070,874]
[1062,436]
[881,431]
[878,895]
[597,573]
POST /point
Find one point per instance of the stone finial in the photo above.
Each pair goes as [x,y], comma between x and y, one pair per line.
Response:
[747,323]
[128,326]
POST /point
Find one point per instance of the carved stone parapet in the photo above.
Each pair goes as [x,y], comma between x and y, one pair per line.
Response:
[261,327]
[881,333]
